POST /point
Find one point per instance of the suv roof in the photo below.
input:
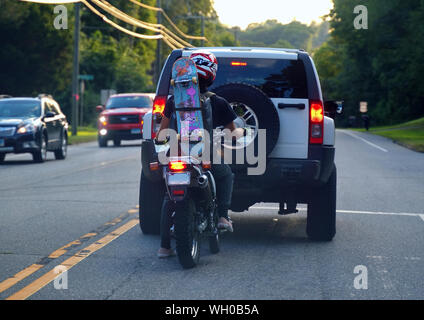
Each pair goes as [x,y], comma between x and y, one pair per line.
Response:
[314,90]
[246,52]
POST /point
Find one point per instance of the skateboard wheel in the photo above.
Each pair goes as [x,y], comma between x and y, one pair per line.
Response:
[172,82]
[194,80]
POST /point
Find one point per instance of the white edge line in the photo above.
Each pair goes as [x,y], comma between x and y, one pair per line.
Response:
[364,140]
[421,215]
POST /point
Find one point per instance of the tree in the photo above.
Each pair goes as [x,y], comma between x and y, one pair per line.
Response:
[381,65]
[35,57]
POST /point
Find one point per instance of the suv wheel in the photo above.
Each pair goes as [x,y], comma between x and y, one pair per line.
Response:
[61,153]
[254,110]
[2,156]
[150,205]
[41,154]
[321,220]
[116,142]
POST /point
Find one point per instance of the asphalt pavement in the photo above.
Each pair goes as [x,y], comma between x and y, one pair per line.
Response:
[82,213]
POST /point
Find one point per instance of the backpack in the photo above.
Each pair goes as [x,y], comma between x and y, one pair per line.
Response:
[206,102]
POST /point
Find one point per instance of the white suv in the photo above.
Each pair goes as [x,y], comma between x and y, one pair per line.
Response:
[277,90]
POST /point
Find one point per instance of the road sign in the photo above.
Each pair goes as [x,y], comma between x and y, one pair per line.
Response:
[363,107]
[86,77]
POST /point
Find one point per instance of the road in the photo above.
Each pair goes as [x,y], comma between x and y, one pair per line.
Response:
[81,212]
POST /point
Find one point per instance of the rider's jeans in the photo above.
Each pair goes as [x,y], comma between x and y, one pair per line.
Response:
[224,178]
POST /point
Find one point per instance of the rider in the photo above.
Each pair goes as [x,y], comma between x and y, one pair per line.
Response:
[222,115]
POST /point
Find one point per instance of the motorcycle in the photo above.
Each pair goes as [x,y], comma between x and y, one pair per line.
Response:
[190,186]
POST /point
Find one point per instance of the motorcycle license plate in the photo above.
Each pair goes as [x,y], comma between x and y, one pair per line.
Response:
[178,179]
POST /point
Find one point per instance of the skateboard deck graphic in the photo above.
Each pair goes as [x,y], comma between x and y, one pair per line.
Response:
[187,101]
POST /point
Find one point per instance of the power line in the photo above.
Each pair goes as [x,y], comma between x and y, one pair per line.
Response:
[169,20]
[171,37]
[132,33]
[52,1]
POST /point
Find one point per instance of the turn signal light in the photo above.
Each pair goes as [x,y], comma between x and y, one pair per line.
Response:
[206,165]
[154,166]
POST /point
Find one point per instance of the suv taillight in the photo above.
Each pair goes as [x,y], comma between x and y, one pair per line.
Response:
[157,113]
[316,122]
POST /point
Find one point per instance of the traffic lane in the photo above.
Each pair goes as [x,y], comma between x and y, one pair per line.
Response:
[61,200]
[303,228]
[370,179]
[267,257]
[18,170]
[353,156]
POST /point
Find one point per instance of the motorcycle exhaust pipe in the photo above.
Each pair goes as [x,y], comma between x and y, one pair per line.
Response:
[202,181]
[204,187]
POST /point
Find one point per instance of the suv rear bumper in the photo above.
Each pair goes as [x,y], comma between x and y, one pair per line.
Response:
[309,172]
[286,179]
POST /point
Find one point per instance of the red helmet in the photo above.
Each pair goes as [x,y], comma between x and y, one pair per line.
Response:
[206,63]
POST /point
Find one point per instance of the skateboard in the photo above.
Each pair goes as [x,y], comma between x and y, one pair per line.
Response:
[187,102]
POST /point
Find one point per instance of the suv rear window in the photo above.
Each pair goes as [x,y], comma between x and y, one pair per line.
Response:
[278,78]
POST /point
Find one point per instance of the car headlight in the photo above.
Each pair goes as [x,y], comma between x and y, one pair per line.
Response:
[29,128]
[103,120]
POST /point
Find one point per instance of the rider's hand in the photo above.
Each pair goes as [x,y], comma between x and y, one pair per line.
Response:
[161,142]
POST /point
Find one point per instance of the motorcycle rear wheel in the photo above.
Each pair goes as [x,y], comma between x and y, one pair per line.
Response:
[186,234]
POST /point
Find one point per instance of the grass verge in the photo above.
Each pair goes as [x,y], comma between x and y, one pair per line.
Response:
[409,134]
[85,134]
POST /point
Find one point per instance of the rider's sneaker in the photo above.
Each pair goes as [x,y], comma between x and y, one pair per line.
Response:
[225,224]
[165,253]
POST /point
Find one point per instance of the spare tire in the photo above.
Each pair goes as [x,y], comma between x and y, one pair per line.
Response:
[261,110]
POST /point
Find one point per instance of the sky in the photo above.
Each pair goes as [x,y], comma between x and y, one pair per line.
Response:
[243,12]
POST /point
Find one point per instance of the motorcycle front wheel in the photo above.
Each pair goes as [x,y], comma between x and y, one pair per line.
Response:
[186,234]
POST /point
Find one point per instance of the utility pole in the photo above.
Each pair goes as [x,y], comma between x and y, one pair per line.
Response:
[159,45]
[75,73]
[202,27]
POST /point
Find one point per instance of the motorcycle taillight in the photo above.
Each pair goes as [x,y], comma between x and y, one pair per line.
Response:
[177,166]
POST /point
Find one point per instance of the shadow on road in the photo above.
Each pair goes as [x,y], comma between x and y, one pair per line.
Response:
[18,162]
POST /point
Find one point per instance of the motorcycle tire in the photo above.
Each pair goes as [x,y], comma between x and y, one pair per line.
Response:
[186,234]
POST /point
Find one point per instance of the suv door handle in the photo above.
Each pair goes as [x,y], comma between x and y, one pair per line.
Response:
[300,106]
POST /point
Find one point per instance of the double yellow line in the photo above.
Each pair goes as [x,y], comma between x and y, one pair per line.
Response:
[48,277]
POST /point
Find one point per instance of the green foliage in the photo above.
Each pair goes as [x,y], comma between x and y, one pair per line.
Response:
[381,65]
[34,56]
[292,35]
